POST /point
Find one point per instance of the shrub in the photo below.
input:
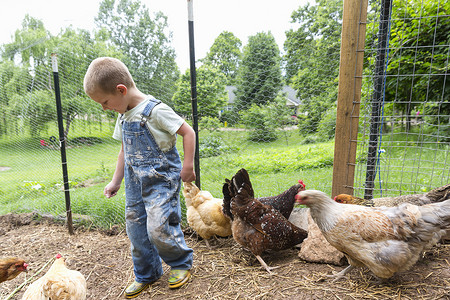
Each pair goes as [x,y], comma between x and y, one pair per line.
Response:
[327,124]
[213,146]
[209,123]
[257,118]
[229,116]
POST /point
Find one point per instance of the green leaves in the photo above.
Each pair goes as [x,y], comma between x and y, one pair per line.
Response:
[225,55]
[211,93]
[259,77]
[287,159]
[145,41]
[312,58]
[418,58]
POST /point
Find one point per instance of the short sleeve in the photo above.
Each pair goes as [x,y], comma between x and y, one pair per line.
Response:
[117,135]
[167,118]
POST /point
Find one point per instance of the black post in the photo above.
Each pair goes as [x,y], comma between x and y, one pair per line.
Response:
[377,101]
[194,90]
[62,142]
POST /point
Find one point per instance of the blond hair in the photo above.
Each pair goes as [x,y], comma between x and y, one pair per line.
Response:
[104,74]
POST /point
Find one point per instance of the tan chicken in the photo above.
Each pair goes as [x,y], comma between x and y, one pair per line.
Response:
[11,267]
[59,283]
[204,213]
[256,226]
[436,195]
[386,240]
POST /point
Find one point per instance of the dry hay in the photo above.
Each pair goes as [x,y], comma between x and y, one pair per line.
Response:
[224,272]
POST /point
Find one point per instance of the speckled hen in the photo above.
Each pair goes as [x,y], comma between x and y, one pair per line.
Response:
[256,226]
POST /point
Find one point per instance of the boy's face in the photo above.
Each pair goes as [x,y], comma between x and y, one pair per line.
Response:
[116,102]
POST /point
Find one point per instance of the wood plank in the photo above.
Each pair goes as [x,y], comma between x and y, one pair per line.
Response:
[349,94]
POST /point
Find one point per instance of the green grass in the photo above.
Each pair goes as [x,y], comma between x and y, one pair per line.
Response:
[411,162]
[34,181]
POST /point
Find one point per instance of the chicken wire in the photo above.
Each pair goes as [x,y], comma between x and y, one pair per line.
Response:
[411,150]
[403,141]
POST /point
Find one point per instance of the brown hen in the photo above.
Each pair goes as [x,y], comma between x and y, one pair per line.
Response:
[10,267]
[283,202]
[256,226]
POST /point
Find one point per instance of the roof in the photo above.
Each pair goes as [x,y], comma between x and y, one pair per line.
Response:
[292,99]
[291,95]
[231,95]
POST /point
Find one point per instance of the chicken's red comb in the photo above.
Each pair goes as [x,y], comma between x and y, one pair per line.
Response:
[58,256]
[302,183]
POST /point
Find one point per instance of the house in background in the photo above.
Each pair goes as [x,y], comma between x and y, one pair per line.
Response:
[291,99]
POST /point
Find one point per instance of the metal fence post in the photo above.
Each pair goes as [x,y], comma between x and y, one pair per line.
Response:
[62,142]
[194,90]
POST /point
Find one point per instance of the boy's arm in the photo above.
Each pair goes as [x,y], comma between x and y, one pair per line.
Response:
[187,172]
[114,186]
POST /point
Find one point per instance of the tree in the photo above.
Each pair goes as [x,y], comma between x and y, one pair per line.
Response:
[29,91]
[225,54]
[36,109]
[312,58]
[30,43]
[27,86]
[211,94]
[259,77]
[15,80]
[76,49]
[145,43]
[419,44]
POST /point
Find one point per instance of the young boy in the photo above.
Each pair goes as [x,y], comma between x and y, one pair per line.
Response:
[152,168]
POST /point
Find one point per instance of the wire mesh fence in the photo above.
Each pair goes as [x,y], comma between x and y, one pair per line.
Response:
[403,144]
[268,108]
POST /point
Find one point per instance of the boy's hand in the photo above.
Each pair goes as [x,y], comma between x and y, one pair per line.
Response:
[111,189]
[187,174]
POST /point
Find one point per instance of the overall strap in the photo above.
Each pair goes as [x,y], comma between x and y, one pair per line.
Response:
[148,110]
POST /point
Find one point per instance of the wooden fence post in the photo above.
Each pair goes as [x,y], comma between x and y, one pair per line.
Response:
[349,94]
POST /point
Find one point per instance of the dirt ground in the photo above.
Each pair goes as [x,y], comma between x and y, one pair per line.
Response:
[223,272]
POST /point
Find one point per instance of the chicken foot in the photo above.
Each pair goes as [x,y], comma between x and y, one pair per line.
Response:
[263,263]
[341,274]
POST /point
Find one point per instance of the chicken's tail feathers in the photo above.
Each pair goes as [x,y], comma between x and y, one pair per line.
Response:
[439,194]
[226,209]
[241,179]
[190,189]
[436,220]
[438,212]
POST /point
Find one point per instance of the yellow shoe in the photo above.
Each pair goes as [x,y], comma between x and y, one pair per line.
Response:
[135,289]
[177,278]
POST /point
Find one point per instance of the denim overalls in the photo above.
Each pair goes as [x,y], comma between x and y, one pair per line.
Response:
[152,212]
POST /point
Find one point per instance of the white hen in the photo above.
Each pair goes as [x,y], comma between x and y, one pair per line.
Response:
[59,283]
[386,240]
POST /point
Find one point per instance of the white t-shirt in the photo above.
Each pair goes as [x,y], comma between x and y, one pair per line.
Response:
[163,123]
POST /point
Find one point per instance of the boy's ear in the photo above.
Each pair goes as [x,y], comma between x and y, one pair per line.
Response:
[121,88]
